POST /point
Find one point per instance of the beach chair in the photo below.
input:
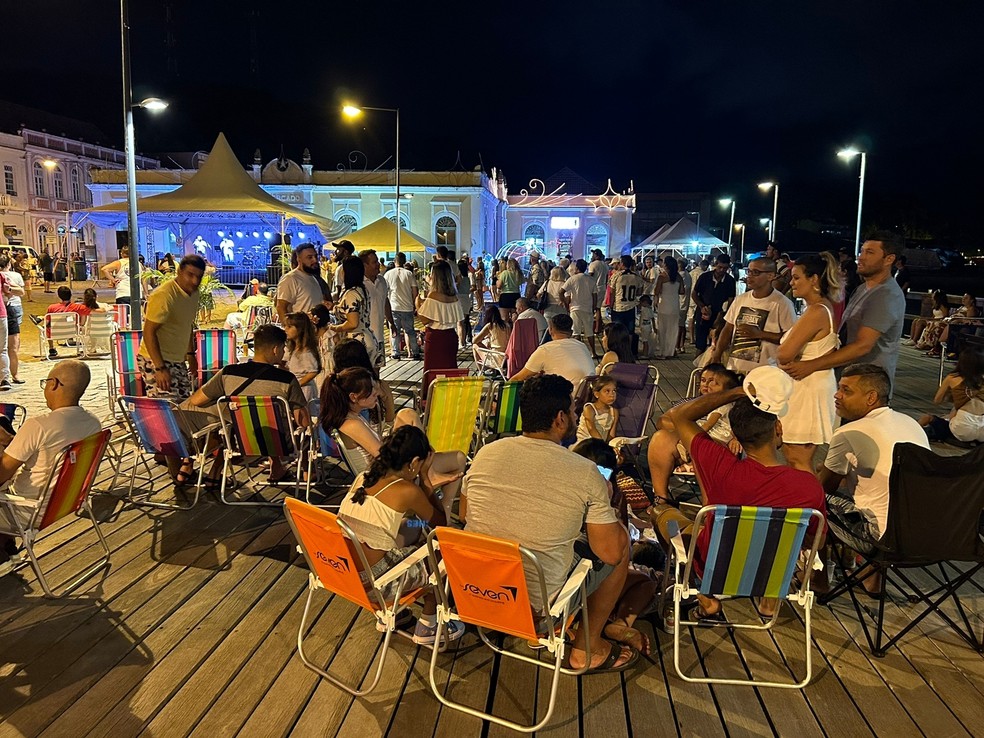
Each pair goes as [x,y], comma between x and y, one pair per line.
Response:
[500,416]
[121,316]
[96,334]
[216,348]
[16,414]
[256,316]
[124,378]
[256,427]
[523,341]
[582,393]
[430,376]
[693,386]
[490,589]
[332,549]
[354,460]
[60,327]
[934,520]
[452,412]
[156,427]
[753,552]
[66,492]
[637,387]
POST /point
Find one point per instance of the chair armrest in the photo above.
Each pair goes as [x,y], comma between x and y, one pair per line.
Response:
[397,571]
[673,528]
[206,430]
[17,500]
[571,586]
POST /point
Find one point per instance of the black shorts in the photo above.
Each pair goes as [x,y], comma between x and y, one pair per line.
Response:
[507,300]
[14,316]
[938,429]
[49,276]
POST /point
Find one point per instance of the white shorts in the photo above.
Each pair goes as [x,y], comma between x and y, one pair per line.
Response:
[646,333]
[583,323]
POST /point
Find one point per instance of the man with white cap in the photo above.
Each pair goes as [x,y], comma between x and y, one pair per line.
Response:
[759,479]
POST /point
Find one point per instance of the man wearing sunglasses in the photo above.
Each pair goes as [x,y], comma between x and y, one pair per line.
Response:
[33,451]
[755,321]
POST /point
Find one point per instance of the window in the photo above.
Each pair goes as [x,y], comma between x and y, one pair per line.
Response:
[446,232]
[350,220]
[76,184]
[38,179]
[8,179]
[42,237]
[404,223]
[59,177]
[535,233]
[596,237]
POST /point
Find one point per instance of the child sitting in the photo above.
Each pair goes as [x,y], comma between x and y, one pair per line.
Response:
[600,417]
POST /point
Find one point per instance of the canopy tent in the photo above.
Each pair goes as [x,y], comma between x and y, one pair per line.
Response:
[683,238]
[380,235]
[221,192]
[646,245]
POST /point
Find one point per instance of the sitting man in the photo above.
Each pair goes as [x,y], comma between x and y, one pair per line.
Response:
[65,305]
[260,377]
[563,354]
[760,479]
[531,490]
[861,452]
[237,320]
[32,453]
[525,312]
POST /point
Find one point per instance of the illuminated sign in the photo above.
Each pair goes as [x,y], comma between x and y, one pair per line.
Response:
[565,224]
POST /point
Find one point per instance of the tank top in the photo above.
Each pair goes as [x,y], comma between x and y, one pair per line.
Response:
[823,346]
[123,276]
[376,524]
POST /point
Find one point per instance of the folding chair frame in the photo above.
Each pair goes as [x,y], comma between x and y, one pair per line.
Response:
[108,320]
[491,413]
[438,385]
[114,386]
[17,414]
[803,596]
[46,333]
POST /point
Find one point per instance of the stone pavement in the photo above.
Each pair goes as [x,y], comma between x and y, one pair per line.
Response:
[31,396]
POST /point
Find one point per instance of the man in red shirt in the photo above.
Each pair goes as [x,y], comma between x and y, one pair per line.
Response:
[760,479]
[66,306]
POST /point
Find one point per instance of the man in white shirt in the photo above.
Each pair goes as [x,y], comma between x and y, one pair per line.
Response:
[402,286]
[579,294]
[563,355]
[300,289]
[598,272]
[755,321]
[380,312]
[627,288]
[861,455]
[525,312]
[32,453]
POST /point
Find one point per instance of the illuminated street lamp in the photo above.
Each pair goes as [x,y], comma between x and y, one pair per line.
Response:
[741,227]
[725,202]
[848,154]
[354,111]
[765,187]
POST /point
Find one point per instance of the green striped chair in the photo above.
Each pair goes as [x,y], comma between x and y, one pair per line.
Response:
[500,417]
[751,552]
[216,348]
[452,412]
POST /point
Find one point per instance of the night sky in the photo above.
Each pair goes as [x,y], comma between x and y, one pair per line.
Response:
[684,96]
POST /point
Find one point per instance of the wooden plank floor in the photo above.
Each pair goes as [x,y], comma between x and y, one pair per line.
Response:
[192,631]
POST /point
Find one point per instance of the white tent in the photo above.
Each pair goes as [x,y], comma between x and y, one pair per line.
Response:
[683,238]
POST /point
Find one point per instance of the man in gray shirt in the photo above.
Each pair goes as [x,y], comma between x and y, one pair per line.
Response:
[872,324]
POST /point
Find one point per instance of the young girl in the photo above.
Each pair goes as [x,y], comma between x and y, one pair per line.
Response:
[965,389]
[600,417]
[302,357]
[494,337]
[321,319]
[647,324]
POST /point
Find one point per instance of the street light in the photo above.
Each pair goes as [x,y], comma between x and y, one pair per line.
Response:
[725,202]
[765,187]
[741,227]
[354,111]
[848,154]
[154,105]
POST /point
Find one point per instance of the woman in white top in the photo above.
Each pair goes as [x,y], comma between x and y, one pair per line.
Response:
[397,488]
[668,289]
[494,337]
[118,274]
[354,311]
[815,279]
[551,294]
[440,312]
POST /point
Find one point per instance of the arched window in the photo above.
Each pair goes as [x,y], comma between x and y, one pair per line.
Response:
[350,220]
[59,177]
[535,233]
[76,180]
[596,237]
[38,179]
[42,237]
[404,223]
[446,232]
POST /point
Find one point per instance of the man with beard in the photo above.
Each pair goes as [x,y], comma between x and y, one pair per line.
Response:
[343,250]
[301,288]
[530,489]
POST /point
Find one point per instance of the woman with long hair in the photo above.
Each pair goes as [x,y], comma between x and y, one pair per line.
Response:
[815,279]
[462,283]
[667,292]
[617,343]
[440,312]
[551,294]
[350,353]
[321,320]
[478,285]
[510,280]
[941,310]
[493,337]
[964,388]
[388,502]
[302,357]
[961,316]
[353,310]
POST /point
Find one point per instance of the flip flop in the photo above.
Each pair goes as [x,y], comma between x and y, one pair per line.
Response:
[765,618]
[608,666]
[700,616]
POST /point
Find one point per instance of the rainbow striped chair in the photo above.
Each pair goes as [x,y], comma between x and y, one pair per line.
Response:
[752,552]
[121,315]
[67,492]
[216,348]
[452,412]
[156,427]
[500,416]
[16,414]
[124,379]
[256,427]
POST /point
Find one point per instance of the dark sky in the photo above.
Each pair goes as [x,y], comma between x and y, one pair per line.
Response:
[677,96]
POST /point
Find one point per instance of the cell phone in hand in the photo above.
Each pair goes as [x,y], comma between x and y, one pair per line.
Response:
[605,472]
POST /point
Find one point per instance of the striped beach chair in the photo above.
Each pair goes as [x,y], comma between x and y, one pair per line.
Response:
[124,379]
[13,412]
[57,327]
[752,552]
[96,334]
[67,491]
[121,316]
[257,427]
[500,416]
[452,412]
[216,348]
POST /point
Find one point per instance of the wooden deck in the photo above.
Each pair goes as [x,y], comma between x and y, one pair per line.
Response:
[193,632]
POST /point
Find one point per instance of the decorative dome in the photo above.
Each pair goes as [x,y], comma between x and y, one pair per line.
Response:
[282,171]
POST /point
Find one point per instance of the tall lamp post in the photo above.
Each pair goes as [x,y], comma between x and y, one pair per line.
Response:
[354,111]
[741,227]
[847,155]
[765,187]
[155,105]
[725,202]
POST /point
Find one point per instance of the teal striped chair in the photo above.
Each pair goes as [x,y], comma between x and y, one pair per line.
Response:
[216,348]
[501,412]
[751,552]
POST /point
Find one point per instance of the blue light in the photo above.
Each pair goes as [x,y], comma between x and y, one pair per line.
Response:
[300,235]
[221,234]
[239,234]
[256,234]
[267,235]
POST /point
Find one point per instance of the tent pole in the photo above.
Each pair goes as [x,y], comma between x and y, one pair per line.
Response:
[283,245]
[398,227]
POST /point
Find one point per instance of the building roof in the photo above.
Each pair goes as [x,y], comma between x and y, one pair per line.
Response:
[568,182]
[13,117]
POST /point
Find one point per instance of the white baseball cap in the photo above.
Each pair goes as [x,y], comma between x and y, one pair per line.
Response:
[769,389]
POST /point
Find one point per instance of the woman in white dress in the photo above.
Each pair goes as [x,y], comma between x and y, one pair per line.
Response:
[669,288]
[812,417]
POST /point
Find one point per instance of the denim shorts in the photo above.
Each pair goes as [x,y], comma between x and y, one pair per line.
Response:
[15,314]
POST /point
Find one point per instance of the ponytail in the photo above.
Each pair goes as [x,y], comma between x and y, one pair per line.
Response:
[826,267]
[335,394]
[398,449]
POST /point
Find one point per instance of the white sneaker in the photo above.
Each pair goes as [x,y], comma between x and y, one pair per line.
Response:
[424,634]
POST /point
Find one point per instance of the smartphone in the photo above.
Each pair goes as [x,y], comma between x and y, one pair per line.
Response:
[605,472]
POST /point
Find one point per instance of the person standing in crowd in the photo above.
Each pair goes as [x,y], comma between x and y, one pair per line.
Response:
[597,272]
[118,274]
[22,266]
[403,294]
[302,287]
[781,278]
[688,287]
[47,269]
[353,310]
[700,267]
[478,286]
[580,297]
[462,283]
[440,312]
[871,328]
[380,312]
[713,291]
[755,322]
[668,289]
[551,294]
[537,278]
[902,275]
[627,288]
[649,273]
[510,280]
[343,250]
[15,315]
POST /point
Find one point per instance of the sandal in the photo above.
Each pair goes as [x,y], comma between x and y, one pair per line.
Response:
[610,665]
[765,617]
[643,638]
[700,616]
[184,478]
[287,476]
